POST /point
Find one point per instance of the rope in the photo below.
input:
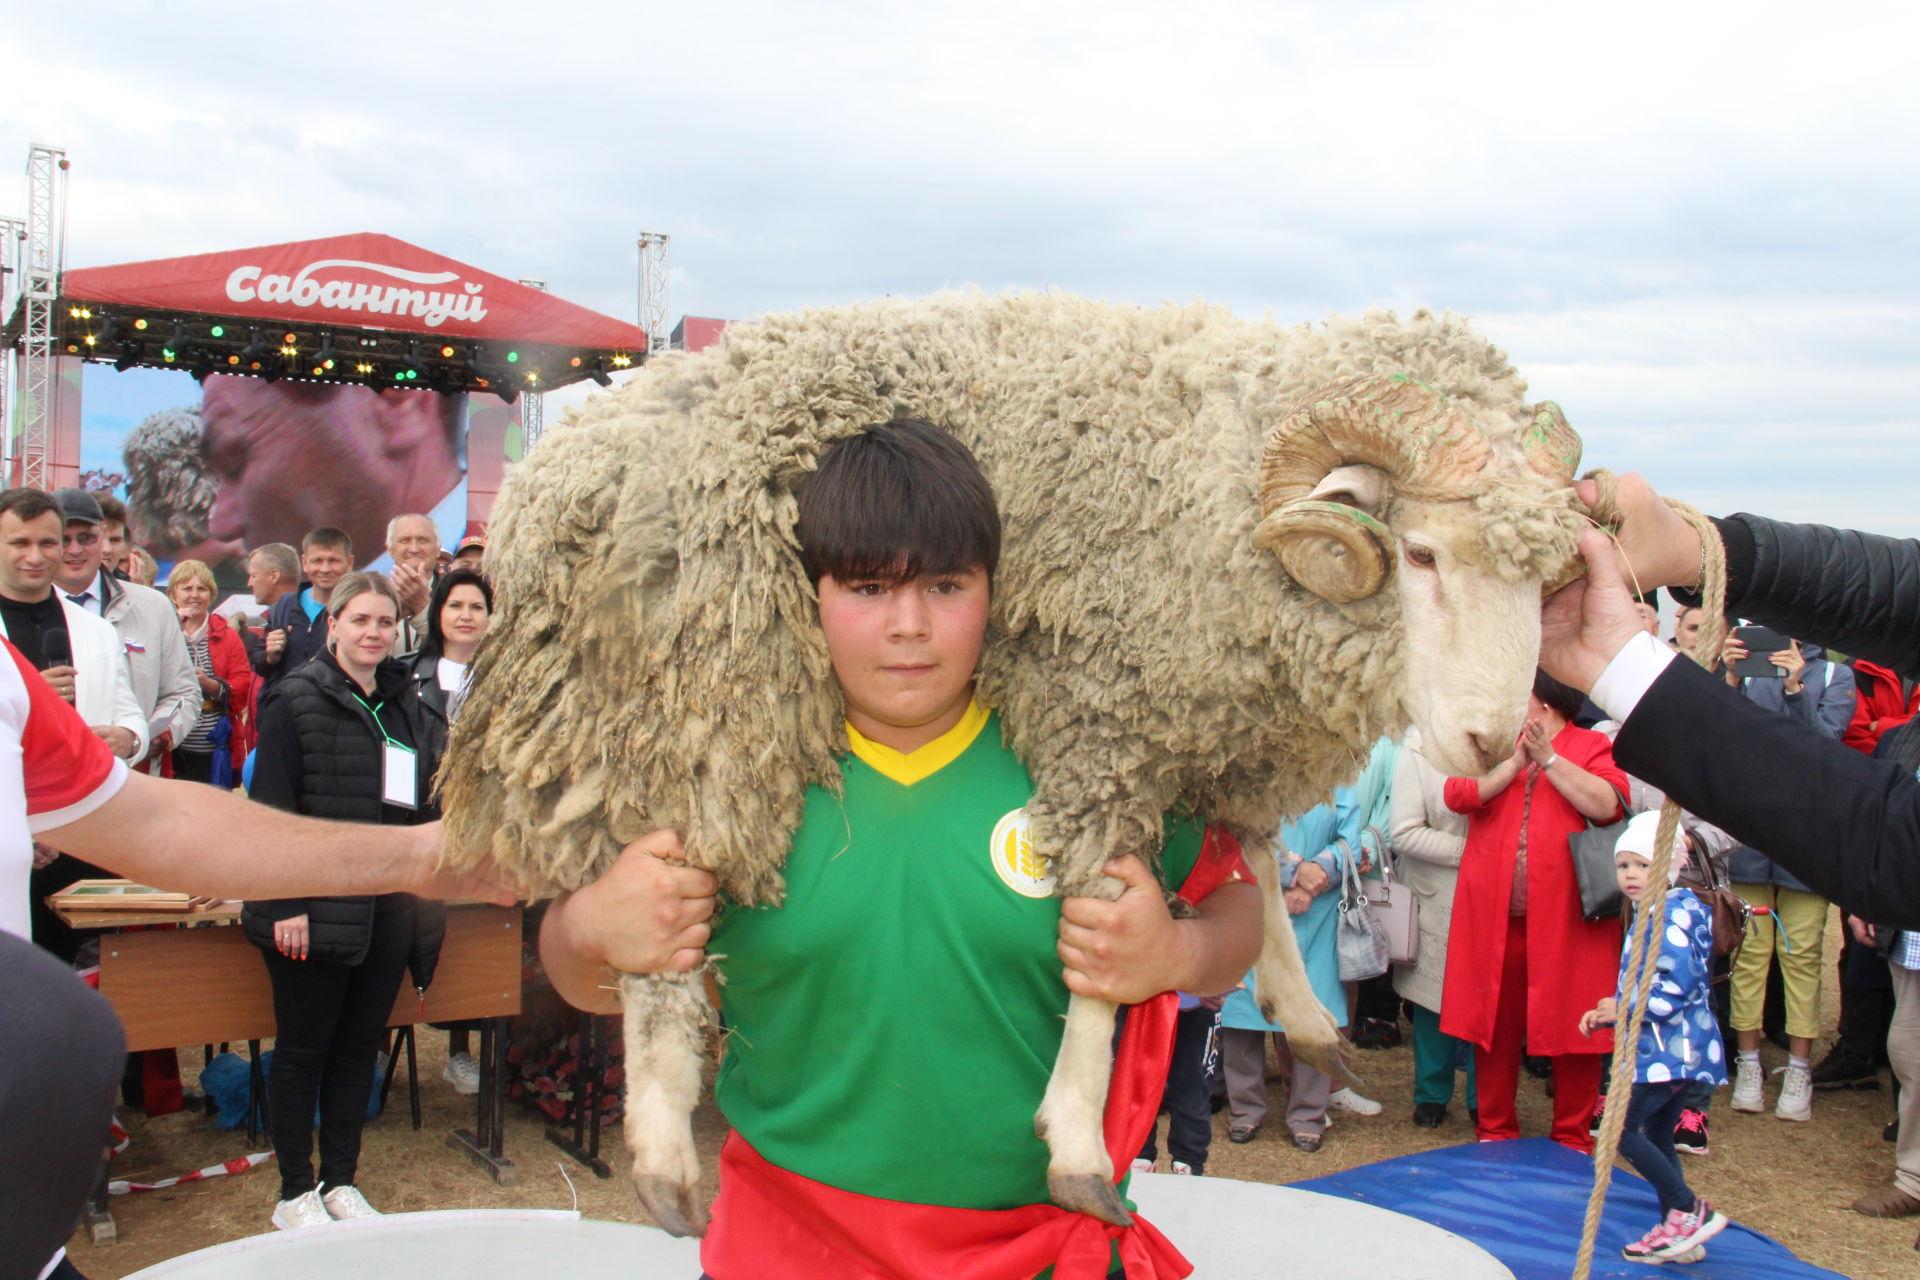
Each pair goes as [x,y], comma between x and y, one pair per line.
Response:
[1644,944]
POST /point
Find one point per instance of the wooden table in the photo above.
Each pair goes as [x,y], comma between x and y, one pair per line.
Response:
[208,985]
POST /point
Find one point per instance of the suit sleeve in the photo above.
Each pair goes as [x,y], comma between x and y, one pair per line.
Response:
[1855,592]
[1847,826]
[126,704]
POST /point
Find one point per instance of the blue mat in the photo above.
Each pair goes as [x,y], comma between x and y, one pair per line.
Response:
[1523,1202]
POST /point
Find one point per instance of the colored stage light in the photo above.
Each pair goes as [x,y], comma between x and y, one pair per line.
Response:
[71,348]
[533,376]
[513,357]
[233,359]
[218,331]
[446,353]
[622,361]
[141,323]
[575,362]
[363,368]
[290,338]
[89,339]
[167,353]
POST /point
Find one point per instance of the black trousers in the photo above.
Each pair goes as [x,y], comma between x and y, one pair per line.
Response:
[328,1022]
[193,766]
[1188,1096]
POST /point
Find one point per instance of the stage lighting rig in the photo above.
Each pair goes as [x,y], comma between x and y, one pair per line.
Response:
[256,347]
[599,373]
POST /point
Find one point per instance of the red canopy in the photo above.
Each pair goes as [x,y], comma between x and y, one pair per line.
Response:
[363,281]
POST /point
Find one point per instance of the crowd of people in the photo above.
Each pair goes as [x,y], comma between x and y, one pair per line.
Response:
[336,704]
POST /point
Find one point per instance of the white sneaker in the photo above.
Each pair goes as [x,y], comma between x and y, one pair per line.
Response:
[347,1202]
[463,1073]
[304,1210]
[1348,1100]
[1183,1169]
[1796,1095]
[1746,1086]
[1142,1165]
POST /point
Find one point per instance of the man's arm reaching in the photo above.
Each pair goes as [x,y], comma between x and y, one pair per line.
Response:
[157,832]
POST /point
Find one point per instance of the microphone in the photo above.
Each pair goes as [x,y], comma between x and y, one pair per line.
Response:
[55,649]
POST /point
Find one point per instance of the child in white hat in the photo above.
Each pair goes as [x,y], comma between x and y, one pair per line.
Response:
[1679,1044]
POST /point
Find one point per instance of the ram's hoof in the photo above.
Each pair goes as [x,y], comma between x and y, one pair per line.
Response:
[1091,1194]
[672,1205]
[1336,1059]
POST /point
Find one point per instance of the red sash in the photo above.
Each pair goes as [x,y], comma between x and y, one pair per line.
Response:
[767,1220]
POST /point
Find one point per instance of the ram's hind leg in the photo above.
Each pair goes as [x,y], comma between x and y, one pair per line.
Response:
[1079,1171]
[1286,997]
[666,1017]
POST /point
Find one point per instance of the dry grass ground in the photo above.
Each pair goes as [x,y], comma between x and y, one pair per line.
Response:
[1792,1181]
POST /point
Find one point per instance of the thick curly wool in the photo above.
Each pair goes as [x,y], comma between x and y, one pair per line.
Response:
[657,660]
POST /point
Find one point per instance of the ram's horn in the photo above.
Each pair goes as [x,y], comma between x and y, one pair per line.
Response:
[1417,436]
[1552,447]
[1339,553]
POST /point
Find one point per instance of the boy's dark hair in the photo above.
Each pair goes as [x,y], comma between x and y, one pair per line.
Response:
[327,536]
[28,504]
[894,501]
[1563,698]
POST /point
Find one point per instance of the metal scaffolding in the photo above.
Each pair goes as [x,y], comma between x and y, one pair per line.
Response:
[43,259]
[653,289]
[13,239]
[532,417]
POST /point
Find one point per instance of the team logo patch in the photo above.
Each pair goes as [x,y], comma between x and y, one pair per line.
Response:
[1015,861]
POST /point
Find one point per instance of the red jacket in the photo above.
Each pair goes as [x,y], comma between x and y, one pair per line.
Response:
[1879,701]
[1571,965]
[228,653]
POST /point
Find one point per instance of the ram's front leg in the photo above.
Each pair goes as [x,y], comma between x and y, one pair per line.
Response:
[665,1026]
[1079,1171]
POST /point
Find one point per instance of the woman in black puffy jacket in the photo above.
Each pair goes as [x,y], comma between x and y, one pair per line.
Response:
[344,738]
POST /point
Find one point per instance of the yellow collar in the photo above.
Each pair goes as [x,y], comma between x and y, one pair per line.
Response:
[909,767]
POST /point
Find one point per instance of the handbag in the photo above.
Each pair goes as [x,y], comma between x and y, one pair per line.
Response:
[1394,906]
[1729,910]
[1592,850]
[1360,941]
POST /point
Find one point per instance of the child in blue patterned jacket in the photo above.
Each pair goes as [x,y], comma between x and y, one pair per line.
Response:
[1679,1044]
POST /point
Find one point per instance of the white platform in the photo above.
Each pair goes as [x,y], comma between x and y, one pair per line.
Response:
[1229,1230]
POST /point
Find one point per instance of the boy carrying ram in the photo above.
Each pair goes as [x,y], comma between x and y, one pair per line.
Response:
[893,1024]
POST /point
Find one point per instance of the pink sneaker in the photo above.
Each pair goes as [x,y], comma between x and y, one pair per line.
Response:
[1652,1247]
[1695,1227]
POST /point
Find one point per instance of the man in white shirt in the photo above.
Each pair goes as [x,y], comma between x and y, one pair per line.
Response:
[164,682]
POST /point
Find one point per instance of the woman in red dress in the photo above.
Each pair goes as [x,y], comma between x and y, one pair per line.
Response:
[1522,965]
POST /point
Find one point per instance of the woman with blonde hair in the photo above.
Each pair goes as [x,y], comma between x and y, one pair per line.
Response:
[344,737]
[213,749]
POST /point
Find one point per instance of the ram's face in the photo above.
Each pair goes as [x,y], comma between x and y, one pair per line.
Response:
[1472,639]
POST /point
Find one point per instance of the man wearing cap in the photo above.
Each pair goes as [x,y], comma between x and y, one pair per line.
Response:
[164,681]
[472,549]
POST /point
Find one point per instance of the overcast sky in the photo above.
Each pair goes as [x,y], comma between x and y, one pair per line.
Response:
[1692,224]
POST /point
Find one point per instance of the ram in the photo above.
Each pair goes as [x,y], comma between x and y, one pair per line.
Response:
[1235,554]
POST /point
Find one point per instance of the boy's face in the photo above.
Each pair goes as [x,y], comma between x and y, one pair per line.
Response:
[1631,870]
[905,653]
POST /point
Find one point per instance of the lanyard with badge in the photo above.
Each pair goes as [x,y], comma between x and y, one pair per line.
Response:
[398,780]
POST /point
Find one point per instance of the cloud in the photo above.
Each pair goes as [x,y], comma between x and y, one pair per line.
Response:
[1692,224]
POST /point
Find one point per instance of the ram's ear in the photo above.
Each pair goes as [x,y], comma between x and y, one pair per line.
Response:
[1356,486]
